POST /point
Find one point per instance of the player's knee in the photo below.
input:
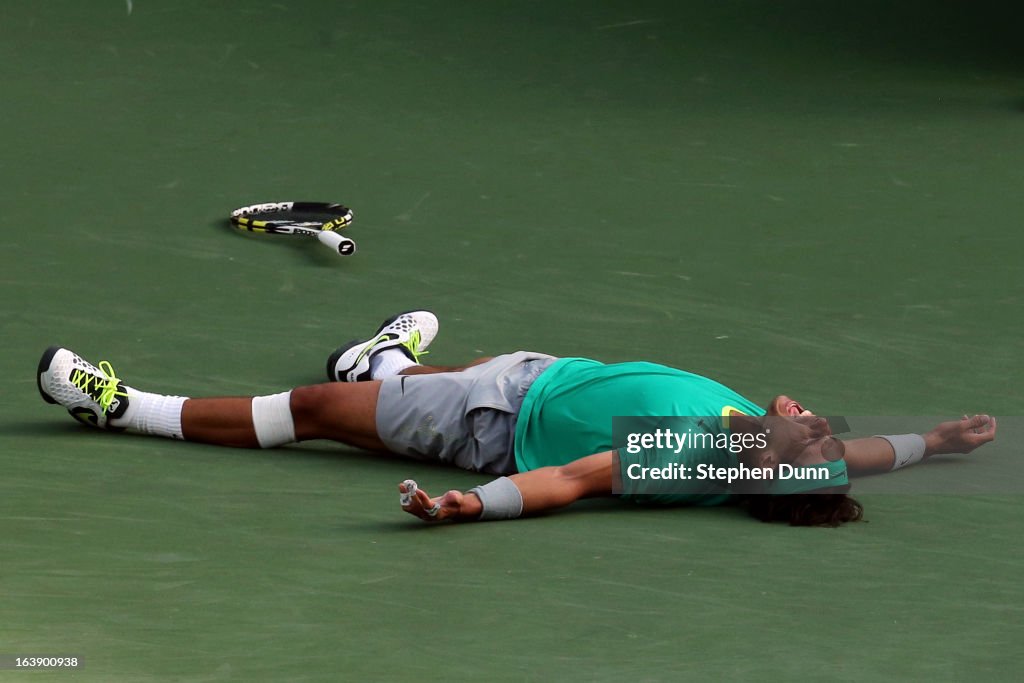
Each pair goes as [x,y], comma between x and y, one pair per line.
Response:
[313,405]
[334,410]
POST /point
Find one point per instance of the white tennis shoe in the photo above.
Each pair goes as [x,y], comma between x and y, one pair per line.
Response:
[410,332]
[93,395]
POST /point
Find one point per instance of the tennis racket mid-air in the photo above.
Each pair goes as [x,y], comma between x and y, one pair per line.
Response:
[308,219]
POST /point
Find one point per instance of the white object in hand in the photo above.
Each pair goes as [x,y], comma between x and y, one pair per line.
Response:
[410,490]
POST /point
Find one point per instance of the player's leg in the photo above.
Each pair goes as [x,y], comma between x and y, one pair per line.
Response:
[339,412]
[96,396]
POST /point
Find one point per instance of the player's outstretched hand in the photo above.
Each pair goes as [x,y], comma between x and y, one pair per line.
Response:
[960,436]
[416,501]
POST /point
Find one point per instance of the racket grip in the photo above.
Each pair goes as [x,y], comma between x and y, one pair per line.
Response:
[343,246]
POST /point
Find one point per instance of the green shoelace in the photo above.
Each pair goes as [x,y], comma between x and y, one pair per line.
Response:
[103,389]
[414,346]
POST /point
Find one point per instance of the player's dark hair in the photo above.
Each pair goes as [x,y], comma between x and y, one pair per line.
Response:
[806,509]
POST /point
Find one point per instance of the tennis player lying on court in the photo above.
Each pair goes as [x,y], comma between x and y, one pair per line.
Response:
[543,423]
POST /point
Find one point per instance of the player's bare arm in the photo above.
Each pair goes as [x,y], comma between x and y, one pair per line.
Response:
[873,455]
[542,490]
[802,436]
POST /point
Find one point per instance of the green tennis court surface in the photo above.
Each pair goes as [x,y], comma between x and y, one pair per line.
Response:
[795,197]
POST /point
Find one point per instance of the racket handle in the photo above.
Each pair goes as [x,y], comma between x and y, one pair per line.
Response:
[343,246]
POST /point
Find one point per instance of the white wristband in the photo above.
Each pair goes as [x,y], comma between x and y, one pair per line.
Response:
[499,499]
[909,449]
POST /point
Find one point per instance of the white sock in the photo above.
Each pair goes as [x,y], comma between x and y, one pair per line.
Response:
[152,414]
[388,363]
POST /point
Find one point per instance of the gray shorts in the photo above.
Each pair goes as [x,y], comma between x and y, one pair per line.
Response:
[467,419]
